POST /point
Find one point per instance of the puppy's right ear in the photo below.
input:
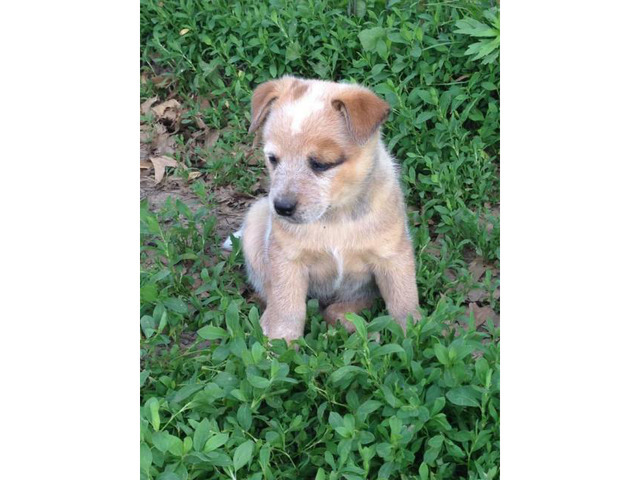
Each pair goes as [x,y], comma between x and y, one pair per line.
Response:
[263,96]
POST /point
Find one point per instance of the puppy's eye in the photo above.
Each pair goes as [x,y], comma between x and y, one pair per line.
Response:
[317,166]
[272,159]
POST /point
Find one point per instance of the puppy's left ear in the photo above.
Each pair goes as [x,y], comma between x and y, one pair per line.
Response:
[263,96]
[363,112]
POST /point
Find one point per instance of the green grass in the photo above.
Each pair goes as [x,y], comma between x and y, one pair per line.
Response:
[424,406]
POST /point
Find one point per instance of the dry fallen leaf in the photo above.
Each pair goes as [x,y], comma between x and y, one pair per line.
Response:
[450,275]
[200,123]
[145,165]
[168,110]
[477,294]
[434,247]
[162,81]
[184,31]
[159,164]
[211,138]
[477,268]
[481,314]
[146,106]
[194,175]
[194,136]
[146,133]
[145,151]
[485,221]
[162,143]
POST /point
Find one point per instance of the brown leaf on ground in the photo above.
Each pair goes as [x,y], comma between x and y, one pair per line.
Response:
[160,110]
[168,111]
[200,123]
[161,81]
[162,143]
[450,275]
[146,106]
[195,135]
[477,268]
[496,294]
[477,295]
[484,219]
[145,151]
[146,133]
[194,175]
[159,164]
[481,314]
[211,138]
[145,164]
[434,247]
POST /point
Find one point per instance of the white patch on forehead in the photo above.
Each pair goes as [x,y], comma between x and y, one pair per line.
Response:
[269,148]
[301,109]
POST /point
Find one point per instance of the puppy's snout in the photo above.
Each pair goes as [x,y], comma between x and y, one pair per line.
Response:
[285,206]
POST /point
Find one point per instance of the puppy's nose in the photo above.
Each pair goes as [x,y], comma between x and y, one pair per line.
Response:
[285,206]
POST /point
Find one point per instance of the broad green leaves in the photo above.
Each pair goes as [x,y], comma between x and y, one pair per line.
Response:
[369,38]
[216,441]
[463,396]
[346,373]
[258,382]
[210,332]
[201,434]
[488,47]
[243,454]
[154,407]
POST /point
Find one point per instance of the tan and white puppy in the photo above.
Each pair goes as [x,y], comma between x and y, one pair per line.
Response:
[334,224]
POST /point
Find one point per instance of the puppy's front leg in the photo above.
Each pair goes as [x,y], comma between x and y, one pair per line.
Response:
[286,310]
[396,279]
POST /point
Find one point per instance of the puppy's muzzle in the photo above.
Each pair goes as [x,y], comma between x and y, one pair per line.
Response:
[285,206]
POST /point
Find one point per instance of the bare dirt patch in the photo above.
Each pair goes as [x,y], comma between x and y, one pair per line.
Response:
[158,167]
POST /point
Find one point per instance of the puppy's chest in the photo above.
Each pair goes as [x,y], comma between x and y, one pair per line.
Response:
[337,267]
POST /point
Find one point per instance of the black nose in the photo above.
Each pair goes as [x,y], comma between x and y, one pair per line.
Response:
[285,206]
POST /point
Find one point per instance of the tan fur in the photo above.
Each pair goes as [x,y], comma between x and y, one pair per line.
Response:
[363,111]
[348,239]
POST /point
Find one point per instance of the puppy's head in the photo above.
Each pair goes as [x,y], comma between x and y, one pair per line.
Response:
[319,143]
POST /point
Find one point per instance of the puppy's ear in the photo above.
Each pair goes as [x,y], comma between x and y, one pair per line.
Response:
[263,96]
[363,112]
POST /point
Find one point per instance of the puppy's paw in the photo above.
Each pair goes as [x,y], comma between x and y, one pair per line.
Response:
[335,314]
[274,327]
[265,322]
[403,318]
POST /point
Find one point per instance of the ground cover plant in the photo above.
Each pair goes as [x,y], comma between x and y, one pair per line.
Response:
[217,400]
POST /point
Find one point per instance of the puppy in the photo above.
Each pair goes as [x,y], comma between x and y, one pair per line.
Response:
[334,224]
